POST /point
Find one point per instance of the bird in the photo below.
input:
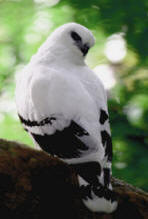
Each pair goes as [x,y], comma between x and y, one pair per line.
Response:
[62,105]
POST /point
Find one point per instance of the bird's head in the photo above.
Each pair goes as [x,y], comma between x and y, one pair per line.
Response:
[74,38]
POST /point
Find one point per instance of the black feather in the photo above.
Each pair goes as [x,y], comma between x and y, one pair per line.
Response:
[103,116]
[107,143]
[36,123]
[89,171]
[65,143]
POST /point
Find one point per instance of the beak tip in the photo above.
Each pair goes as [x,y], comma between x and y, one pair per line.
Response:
[85,49]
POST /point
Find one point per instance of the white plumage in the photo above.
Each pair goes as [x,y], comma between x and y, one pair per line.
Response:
[63,106]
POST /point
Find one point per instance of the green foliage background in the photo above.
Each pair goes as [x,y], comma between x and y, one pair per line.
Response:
[25,24]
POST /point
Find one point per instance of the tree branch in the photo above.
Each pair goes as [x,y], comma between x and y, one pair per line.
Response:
[35,185]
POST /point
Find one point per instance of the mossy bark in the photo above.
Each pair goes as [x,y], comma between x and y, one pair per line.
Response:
[35,185]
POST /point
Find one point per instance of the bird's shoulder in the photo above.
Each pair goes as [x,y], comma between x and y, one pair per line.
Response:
[94,86]
[53,80]
[57,90]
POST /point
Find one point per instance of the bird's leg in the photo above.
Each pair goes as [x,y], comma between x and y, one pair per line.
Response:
[94,187]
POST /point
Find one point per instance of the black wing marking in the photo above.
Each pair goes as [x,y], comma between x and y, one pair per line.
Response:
[106,177]
[106,193]
[65,143]
[30,123]
[107,143]
[103,116]
[89,171]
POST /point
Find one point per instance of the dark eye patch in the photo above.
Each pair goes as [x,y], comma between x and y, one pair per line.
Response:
[75,36]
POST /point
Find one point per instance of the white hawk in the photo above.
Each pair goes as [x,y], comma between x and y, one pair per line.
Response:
[63,105]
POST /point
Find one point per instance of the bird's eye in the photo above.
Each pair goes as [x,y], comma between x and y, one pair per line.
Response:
[75,36]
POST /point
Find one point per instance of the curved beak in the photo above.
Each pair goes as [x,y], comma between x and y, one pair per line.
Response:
[84,48]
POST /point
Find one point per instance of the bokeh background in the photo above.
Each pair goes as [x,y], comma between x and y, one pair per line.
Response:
[119,58]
